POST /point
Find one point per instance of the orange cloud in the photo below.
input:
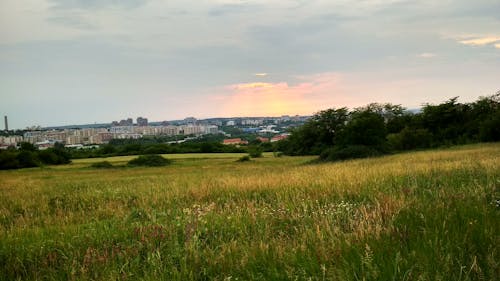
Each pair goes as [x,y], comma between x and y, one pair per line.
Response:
[481,41]
[310,94]
[253,85]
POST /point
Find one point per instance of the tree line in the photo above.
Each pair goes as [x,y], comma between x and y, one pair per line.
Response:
[375,129]
[29,156]
[140,147]
[333,134]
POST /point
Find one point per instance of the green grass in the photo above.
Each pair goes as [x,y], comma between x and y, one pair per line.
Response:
[429,215]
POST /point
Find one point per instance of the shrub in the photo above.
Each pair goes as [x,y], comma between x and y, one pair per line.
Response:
[489,129]
[27,159]
[243,159]
[54,156]
[255,152]
[151,160]
[410,139]
[348,152]
[102,165]
[8,160]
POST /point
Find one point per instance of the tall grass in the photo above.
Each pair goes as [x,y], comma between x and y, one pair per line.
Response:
[429,215]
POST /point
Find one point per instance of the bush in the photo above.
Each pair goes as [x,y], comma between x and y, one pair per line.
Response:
[47,157]
[151,160]
[102,165]
[348,152]
[53,157]
[410,139]
[27,159]
[489,129]
[8,160]
[255,152]
[243,159]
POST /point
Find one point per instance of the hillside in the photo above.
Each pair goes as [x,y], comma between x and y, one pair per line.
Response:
[429,215]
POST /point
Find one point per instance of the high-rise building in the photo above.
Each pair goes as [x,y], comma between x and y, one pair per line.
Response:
[6,123]
[189,120]
[142,121]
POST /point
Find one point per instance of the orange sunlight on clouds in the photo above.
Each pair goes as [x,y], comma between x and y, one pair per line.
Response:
[275,99]
[313,93]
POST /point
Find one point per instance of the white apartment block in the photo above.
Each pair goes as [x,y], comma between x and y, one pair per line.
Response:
[103,135]
[11,140]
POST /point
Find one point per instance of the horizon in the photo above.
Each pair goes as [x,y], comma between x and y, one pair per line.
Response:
[134,119]
[85,62]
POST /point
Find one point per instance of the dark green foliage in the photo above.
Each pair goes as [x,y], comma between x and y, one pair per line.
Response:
[107,149]
[380,128]
[27,159]
[8,160]
[207,147]
[255,152]
[445,121]
[489,129]
[47,157]
[243,159]
[410,139]
[131,149]
[365,128]
[102,165]
[154,146]
[26,146]
[157,149]
[54,156]
[150,160]
[29,156]
[317,134]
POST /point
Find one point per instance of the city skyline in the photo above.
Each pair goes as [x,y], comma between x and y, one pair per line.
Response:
[145,122]
[75,62]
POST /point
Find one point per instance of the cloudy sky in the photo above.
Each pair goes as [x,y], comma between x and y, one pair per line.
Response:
[84,61]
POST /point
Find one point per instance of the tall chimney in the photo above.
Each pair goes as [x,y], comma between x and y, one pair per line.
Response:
[6,123]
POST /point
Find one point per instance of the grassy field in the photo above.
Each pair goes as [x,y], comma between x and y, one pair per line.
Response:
[431,215]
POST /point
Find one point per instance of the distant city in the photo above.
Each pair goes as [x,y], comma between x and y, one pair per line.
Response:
[90,135]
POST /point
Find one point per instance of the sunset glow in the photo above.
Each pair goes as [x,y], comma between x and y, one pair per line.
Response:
[267,99]
[170,59]
[481,41]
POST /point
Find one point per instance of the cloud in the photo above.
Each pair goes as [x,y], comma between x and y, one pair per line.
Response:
[238,7]
[481,41]
[307,95]
[73,20]
[256,85]
[96,4]
[262,74]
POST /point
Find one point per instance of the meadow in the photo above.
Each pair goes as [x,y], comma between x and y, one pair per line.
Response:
[428,215]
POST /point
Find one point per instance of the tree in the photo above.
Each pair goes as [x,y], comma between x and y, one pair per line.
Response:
[329,123]
[317,134]
[26,146]
[445,121]
[27,159]
[8,160]
[365,127]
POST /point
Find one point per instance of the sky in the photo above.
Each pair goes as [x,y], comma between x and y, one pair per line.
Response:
[68,62]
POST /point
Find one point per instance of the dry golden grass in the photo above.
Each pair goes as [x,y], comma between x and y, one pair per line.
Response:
[282,217]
